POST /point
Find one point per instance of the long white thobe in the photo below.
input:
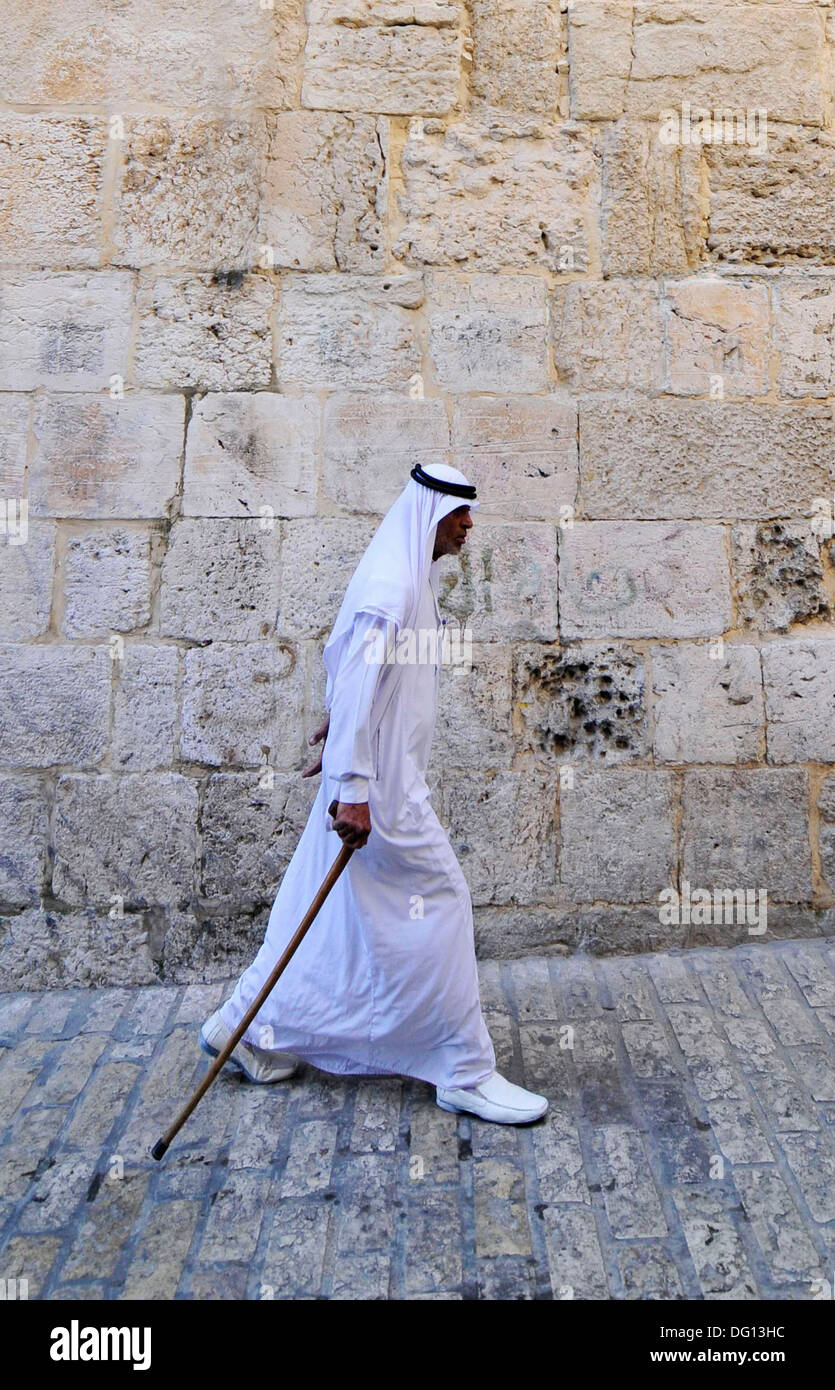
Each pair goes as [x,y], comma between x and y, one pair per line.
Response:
[385,979]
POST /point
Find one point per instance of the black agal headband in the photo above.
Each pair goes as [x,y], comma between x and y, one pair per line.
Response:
[440,485]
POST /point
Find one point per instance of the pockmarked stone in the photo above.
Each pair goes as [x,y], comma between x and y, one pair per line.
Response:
[799,679]
[64,330]
[521,452]
[220,580]
[210,331]
[600,57]
[778,574]
[775,210]
[177,172]
[54,703]
[251,454]
[505,587]
[747,829]
[707,703]
[52,168]
[96,456]
[518,69]
[717,337]
[349,331]
[325,190]
[318,558]
[488,332]
[616,835]
[107,582]
[381,64]
[534,200]
[251,824]
[129,840]
[502,827]
[688,459]
[52,950]
[27,561]
[25,818]
[145,708]
[651,218]
[371,443]
[643,579]
[804,334]
[242,705]
[608,335]
[238,53]
[582,702]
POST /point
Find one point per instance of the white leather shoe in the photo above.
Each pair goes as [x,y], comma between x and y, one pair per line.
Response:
[494,1099]
[255,1062]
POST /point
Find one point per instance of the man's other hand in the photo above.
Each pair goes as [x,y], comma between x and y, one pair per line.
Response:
[318,736]
[352,823]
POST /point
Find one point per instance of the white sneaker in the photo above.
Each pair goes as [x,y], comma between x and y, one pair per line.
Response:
[494,1099]
[255,1062]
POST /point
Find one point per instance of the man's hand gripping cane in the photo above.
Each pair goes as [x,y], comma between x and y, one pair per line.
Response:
[351,821]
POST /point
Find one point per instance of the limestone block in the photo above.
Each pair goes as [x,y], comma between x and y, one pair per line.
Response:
[707,708]
[502,828]
[242,705]
[188,192]
[382,66]
[209,331]
[520,452]
[96,456]
[145,708]
[607,335]
[747,828]
[347,331]
[717,337]
[107,582]
[25,819]
[54,704]
[63,950]
[517,45]
[325,190]
[643,579]
[600,58]
[25,579]
[318,558]
[155,51]
[488,332]
[778,574]
[251,454]
[617,836]
[220,580]
[504,586]
[651,203]
[777,209]
[476,199]
[723,57]
[475,706]
[799,678]
[14,447]
[826,804]
[804,335]
[370,444]
[663,458]
[250,832]
[132,836]
[582,702]
[51,170]
[64,330]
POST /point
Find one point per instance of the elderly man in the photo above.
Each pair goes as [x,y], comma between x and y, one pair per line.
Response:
[385,981]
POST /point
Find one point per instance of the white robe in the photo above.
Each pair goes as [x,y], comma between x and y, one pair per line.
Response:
[385,980]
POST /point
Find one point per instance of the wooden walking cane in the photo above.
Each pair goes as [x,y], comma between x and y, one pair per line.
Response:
[223,1056]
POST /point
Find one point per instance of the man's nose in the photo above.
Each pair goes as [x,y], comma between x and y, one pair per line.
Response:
[467,521]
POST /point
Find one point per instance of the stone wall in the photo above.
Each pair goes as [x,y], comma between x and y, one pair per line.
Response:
[258,261]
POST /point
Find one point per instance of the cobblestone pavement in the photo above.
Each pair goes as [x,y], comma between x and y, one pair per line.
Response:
[689,1151]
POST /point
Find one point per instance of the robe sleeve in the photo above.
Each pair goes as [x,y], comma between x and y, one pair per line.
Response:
[350,753]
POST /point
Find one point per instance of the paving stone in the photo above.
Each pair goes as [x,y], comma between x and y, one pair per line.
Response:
[157,1266]
[648,1272]
[235,1218]
[714,1243]
[778,1226]
[295,1253]
[629,1193]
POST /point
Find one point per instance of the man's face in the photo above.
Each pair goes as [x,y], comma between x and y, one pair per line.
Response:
[451,532]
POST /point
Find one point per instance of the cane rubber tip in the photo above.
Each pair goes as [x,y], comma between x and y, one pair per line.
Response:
[159,1149]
